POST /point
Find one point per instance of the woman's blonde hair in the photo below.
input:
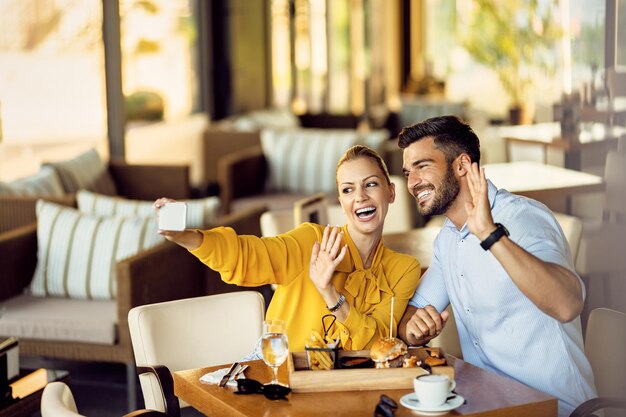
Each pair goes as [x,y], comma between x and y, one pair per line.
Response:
[362,151]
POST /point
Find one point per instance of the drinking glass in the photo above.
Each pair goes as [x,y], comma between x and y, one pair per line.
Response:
[274,348]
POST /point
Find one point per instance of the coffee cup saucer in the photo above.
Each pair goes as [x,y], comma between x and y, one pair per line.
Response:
[410,401]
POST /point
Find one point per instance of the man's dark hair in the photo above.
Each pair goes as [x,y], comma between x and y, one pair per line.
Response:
[451,135]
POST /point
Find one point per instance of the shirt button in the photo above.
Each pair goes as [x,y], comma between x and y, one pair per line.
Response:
[475,343]
[345,332]
[462,240]
[467,309]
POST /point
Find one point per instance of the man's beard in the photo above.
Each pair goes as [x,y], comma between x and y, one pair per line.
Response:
[444,195]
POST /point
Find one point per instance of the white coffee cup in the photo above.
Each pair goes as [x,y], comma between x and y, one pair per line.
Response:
[432,390]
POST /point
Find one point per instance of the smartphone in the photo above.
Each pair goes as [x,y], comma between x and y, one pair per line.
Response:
[173,216]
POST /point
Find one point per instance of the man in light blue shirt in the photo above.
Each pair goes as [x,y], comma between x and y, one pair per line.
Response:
[503,264]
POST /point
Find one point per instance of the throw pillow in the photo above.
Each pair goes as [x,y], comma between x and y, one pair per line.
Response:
[269,118]
[86,171]
[304,160]
[77,253]
[45,183]
[200,213]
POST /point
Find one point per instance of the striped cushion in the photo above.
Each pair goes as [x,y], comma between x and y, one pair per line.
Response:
[304,160]
[86,171]
[45,183]
[200,213]
[77,253]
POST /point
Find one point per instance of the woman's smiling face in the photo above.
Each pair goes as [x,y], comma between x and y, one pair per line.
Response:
[364,194]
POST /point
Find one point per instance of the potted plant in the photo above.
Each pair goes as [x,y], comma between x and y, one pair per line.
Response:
[516,39]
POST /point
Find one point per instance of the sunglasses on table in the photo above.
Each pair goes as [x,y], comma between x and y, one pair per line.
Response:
[386,407]
[271,391]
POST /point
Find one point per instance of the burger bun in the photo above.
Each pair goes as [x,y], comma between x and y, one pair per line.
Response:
[386,351]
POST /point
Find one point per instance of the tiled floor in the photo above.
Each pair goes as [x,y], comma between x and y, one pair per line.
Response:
[99,388]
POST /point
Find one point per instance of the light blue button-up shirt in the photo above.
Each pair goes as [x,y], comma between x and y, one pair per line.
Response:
[500,329]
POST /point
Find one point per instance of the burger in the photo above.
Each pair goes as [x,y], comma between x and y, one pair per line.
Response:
[388,352]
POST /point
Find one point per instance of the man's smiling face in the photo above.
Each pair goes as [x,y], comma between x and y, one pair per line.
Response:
[430,178]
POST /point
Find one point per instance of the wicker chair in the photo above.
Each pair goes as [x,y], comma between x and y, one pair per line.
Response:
[144,278]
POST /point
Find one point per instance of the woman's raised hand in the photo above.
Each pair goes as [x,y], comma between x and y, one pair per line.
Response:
[188,239]
[325,257]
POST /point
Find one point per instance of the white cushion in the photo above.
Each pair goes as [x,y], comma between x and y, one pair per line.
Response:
[77,253]
[86,171]
[51,318]
[304,160]
[269,118]
[200,213]
[45,183]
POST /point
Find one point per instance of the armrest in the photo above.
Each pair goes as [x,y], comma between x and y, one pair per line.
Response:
[20,211]
[18,258]
[164,377]
[241,174]
[585,409]
[149,182]
[244,222]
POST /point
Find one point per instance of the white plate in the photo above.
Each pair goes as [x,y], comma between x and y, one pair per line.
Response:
[411,401]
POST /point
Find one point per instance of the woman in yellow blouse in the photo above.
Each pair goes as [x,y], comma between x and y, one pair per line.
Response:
[345,270]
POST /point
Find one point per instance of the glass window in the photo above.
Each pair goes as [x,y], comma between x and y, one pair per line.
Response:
[52,88]
[567,49]
[159,75]
[338,63]
[586,33]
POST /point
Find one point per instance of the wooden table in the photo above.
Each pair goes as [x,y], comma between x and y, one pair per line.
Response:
[545,142]
[487,395]
[545,183]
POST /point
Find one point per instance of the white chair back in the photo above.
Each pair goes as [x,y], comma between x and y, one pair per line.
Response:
[401,212]
[572,229]
[57,401]
[615,177]
[275,222]
[605,340]
[193,333]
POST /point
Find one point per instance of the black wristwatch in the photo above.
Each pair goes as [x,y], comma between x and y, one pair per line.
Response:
[494,237]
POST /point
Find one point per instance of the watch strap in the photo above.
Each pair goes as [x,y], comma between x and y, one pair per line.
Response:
[494,236]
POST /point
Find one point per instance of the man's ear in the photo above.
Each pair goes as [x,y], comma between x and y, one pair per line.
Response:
[462,164]
[392,192]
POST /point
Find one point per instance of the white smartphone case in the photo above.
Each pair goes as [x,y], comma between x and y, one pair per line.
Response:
[173,216]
